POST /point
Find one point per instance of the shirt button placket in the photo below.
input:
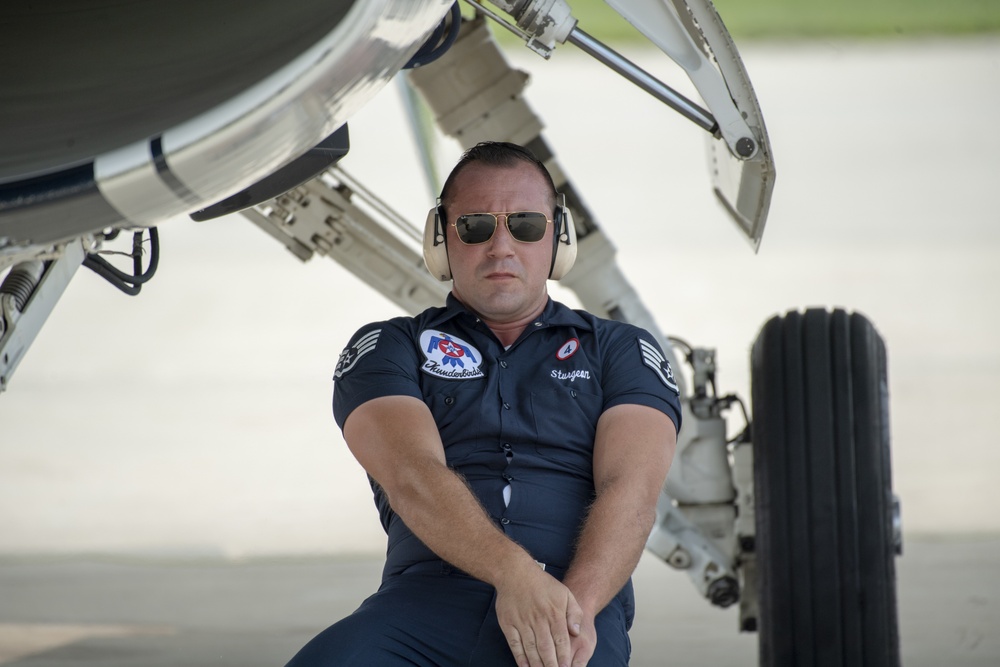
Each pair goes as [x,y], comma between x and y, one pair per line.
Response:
[505,447]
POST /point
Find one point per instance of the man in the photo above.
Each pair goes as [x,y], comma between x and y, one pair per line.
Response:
[516,447]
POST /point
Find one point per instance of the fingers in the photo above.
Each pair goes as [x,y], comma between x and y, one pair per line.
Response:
[516,647]
[530,651]
[546,627]
[561,642]
[533,617]
[544,649]
[584,643]
[582,659]
[582,656]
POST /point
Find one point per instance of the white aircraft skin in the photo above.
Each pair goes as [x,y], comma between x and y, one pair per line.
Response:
[88,164]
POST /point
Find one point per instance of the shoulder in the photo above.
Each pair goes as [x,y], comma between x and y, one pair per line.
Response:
[395,338]
[403,326]
[612,331]
[628,347]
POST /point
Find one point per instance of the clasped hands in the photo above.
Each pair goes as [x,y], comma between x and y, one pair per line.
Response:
[544,624]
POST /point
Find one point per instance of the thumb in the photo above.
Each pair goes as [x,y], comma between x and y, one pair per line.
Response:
[574,617]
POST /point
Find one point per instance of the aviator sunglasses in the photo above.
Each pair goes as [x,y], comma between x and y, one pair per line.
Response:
[524,226]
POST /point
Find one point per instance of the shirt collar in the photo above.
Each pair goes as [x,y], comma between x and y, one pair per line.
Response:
[554,314]
[558,314]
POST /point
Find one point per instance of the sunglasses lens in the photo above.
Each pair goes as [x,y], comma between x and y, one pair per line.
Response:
[528,226]
[476,227]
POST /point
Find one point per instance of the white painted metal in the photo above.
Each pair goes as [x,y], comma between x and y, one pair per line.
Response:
[700,472]
[693,35]
[21,327]
[746,531]
[662,24]
[543,23]
[683,545]
[251,135]
[334,217]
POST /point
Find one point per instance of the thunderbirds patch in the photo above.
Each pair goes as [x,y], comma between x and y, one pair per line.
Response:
[450,357]
[655,360]
[353,353]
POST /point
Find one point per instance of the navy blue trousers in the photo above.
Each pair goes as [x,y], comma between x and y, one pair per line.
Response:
[440,619]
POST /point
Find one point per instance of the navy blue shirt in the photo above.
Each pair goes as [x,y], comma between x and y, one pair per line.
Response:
[525,416]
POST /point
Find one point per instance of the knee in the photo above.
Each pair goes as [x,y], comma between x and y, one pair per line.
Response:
[343,643]
[613,644]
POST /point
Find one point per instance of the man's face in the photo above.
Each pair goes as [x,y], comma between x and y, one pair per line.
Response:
[502,279]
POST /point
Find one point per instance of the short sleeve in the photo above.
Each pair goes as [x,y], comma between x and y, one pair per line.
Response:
[380,360]
[636,371]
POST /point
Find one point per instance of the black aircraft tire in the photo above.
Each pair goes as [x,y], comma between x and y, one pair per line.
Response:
[824,504]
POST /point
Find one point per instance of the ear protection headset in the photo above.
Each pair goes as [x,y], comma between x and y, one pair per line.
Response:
[563,242]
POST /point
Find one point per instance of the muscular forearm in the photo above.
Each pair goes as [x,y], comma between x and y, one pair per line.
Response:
[440,509]
[609,547]
[397,442]
[632,454]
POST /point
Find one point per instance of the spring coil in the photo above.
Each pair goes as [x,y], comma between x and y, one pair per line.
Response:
[21,281]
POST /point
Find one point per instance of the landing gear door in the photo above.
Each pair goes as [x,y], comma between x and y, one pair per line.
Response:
[693,35]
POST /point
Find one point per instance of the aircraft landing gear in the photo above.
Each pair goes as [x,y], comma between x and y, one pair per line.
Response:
[826,536]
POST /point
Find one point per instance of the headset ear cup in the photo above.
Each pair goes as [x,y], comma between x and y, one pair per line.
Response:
[565,244]
[435,249]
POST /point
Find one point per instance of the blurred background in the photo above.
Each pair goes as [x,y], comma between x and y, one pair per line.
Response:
[194,420]
[195,417]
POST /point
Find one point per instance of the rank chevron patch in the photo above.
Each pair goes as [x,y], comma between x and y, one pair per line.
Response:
[653,358]
[353,353]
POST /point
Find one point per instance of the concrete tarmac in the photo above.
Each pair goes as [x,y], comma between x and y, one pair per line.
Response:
[121,612]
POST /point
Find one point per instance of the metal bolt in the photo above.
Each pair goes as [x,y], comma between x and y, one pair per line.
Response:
[745,147]
[679,559]
[724,592]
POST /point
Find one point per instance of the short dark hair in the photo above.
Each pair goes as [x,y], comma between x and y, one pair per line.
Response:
[496,154]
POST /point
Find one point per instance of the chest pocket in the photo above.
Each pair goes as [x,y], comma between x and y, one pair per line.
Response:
[456,407]
[565,420]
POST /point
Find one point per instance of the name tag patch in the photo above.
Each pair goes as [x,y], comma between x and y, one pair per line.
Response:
[570,375]
[449,356]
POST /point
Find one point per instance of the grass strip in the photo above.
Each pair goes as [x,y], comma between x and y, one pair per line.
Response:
[804,19]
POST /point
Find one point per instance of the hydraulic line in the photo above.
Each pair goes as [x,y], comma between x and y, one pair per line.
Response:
[129,284]
[431,50]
